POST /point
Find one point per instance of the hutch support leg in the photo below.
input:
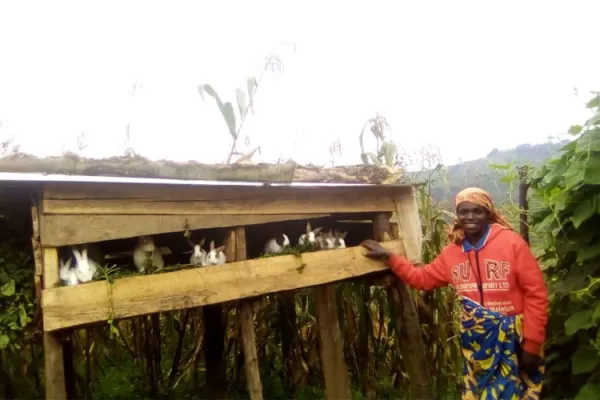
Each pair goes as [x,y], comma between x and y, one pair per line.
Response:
[54,368]
[409,328]
[246,313]
[214,337]
[337,384]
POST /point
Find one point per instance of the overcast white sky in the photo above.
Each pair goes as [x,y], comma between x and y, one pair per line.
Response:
[465,76]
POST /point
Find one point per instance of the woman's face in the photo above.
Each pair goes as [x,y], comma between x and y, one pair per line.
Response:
[472,217]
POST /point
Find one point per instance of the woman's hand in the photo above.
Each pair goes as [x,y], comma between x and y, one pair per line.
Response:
[376,251]
[530,363]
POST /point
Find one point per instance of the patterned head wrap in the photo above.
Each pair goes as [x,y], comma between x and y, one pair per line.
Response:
[483,199]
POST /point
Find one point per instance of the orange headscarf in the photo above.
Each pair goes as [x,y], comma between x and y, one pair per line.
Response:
[483,199]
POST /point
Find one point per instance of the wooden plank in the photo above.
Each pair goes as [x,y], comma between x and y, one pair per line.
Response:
[337,383]
[321,201]
[166,192]
[64,230]
[37,252]
[88,303]
[409,225]
[54,366]
[246,318]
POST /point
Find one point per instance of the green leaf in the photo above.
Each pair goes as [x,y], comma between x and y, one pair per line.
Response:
[8,289]
[593,121]
[596,316]
[578,321]
[591,391]
[594,102]
[584,211]
[252,85]
[584,360]
[4,341]
[241,100]
[575,129]
[588,253]
[23,320]
[229,116]
[589,141]
[206,88]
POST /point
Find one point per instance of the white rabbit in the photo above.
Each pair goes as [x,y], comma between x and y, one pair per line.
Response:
[215,256]
[340,240]
[326,240]
[85,268]
[277,244]
[67,274]
[198,256]
[146,254]
[310,236]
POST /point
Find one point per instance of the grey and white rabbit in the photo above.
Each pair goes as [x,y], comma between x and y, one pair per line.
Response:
[215,256]
[339,239]
[277,244]
[310,236]
[146,255]
[198,256]
[325,240]
[67,274]
[85,267]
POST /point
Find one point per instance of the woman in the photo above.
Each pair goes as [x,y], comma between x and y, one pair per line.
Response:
[502,293]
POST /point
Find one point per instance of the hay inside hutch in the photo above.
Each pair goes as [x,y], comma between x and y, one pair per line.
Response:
[112,213]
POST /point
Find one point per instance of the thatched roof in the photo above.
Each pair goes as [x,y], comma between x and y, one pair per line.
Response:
[140,167]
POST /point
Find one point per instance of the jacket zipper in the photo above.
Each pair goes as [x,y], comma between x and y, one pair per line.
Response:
[479,282]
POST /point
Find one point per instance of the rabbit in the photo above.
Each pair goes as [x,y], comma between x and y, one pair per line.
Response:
[339,239]
[215,256]
[145,254]
[310,236]
[67,274]
[198,256]
[85,268]
[326,240]
[277,244]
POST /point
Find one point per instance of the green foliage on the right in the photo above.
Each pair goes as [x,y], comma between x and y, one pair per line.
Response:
[568,189]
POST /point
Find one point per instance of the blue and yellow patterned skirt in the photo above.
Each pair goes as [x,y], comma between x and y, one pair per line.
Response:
[490,343]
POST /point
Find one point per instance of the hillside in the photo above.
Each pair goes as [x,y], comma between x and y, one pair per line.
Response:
[480,173]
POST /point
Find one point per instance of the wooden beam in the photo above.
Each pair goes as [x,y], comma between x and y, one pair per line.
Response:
[65,230]
[71,164]
[246,318]
[408,326]
[54,365]
[309,202]
[214,337]
[166,192]
[337,383]
[88,303]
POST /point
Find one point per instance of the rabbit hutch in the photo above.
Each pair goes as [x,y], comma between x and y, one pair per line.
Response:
[225,216]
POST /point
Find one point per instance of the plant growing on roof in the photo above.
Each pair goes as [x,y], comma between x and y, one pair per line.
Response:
[385,149]
[245,103]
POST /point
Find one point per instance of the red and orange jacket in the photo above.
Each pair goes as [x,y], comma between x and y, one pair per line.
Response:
[499,272]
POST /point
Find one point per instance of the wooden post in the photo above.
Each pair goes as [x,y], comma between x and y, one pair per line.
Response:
[214,337]
[54,368]
[407,319]
[337,384]
[523,188]
[247,327]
